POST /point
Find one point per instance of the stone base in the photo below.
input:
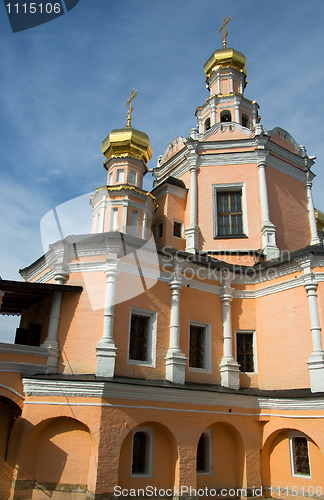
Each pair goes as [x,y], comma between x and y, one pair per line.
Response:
[270,249]
[192,237]
[230,374]
[52,358]
[316,373]
[175,363]
[106,358]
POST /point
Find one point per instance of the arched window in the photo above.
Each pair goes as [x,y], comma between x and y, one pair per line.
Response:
[204,453]
[226,116]
[141,453]
[207,124]
[245,121]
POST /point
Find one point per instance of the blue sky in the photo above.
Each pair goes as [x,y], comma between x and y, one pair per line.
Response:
[64,85]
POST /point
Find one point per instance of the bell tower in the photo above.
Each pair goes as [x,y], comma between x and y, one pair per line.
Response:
[122,205]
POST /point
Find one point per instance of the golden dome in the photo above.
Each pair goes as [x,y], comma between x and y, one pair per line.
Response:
[129,142]
[224,58]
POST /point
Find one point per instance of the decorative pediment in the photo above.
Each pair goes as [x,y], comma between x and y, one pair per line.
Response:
[284,139]
[173,147]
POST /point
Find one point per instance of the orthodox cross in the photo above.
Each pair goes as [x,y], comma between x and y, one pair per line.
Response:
[131,107]
[225,32]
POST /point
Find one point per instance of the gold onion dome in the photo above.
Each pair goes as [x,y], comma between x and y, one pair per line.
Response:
[127,142]
[224,58]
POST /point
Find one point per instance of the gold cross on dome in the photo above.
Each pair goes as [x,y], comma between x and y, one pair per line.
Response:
[131,107]
[225,32]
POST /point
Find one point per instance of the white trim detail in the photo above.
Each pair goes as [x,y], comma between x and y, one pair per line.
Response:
[292,436]
[12,390]
[151,341]
[207,347]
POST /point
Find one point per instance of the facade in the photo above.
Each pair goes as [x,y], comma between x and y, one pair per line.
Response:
[188,363]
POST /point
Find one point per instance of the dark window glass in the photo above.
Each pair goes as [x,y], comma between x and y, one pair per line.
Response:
[138,345]
[300,453]
[197,347]
[140,449]
[230,215]
[159,230]
[202,454]
[226,116]
[244,349]
[177,229]
[207,124]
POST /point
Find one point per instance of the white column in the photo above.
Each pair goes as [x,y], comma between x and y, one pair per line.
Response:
[311,212]
[316,360]
[51,341]
[237,112]
[125,209]
[218,85]
[231,83]
[229,368]
[213,112]
[106,349]
[103,210]
[268,230]
[144,220]
[255,114]
[192,231]
[175,360]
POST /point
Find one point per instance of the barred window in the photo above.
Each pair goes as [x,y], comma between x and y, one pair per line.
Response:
[197,346]
[244,351]
[229,213]
[140,453]
[138,343]
[300,456]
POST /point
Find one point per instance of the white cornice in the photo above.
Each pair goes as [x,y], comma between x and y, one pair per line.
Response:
[25,368]
[169,188]
[134,392]
[26,350]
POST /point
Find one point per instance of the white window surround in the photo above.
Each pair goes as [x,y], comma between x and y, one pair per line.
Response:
[179,222]
[151,344]
[209,472]
[207,347]
[255,357]
[292,435]
[237,186]
[132,177]
[120,175]
[149,431]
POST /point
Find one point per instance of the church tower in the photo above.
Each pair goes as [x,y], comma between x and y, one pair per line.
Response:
[122,205]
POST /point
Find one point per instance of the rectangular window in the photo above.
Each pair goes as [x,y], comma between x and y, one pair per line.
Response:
[142,337]
[177,229]
[134,222]
[114,220]
[120,176]
[300,465]
[229,213]
[132,177]
[245,351]
[110,178]
[159,230]
[197,347]
[142,452]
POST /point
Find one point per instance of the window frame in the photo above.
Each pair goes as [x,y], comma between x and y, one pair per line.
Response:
[132,172]
[113,225]
[292,436]
[209,472]
[226,188]
[254,347]
[151,341]
[149,431]
[119,170]
[207,347]
[176,221]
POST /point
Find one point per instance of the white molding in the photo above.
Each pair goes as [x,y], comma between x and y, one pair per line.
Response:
[10,389]
[170,188]
[151,347]
[292,435]
[25,350]
[25,368]
[149,431]
[199,398]
[207,347]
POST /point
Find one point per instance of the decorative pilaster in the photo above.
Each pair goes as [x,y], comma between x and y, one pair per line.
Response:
[316,360]
[175,360]
[106,349]
[229,368]
[192,231]
[213,112]
[268,230]
[51,341]
[311,212]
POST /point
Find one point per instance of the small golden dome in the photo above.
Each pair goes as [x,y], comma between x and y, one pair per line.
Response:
[224,58]
[127,142]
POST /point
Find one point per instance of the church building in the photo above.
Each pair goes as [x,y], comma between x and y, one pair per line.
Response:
[176,350]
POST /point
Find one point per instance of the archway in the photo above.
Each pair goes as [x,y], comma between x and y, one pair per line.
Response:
[9,412]
[159,457]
